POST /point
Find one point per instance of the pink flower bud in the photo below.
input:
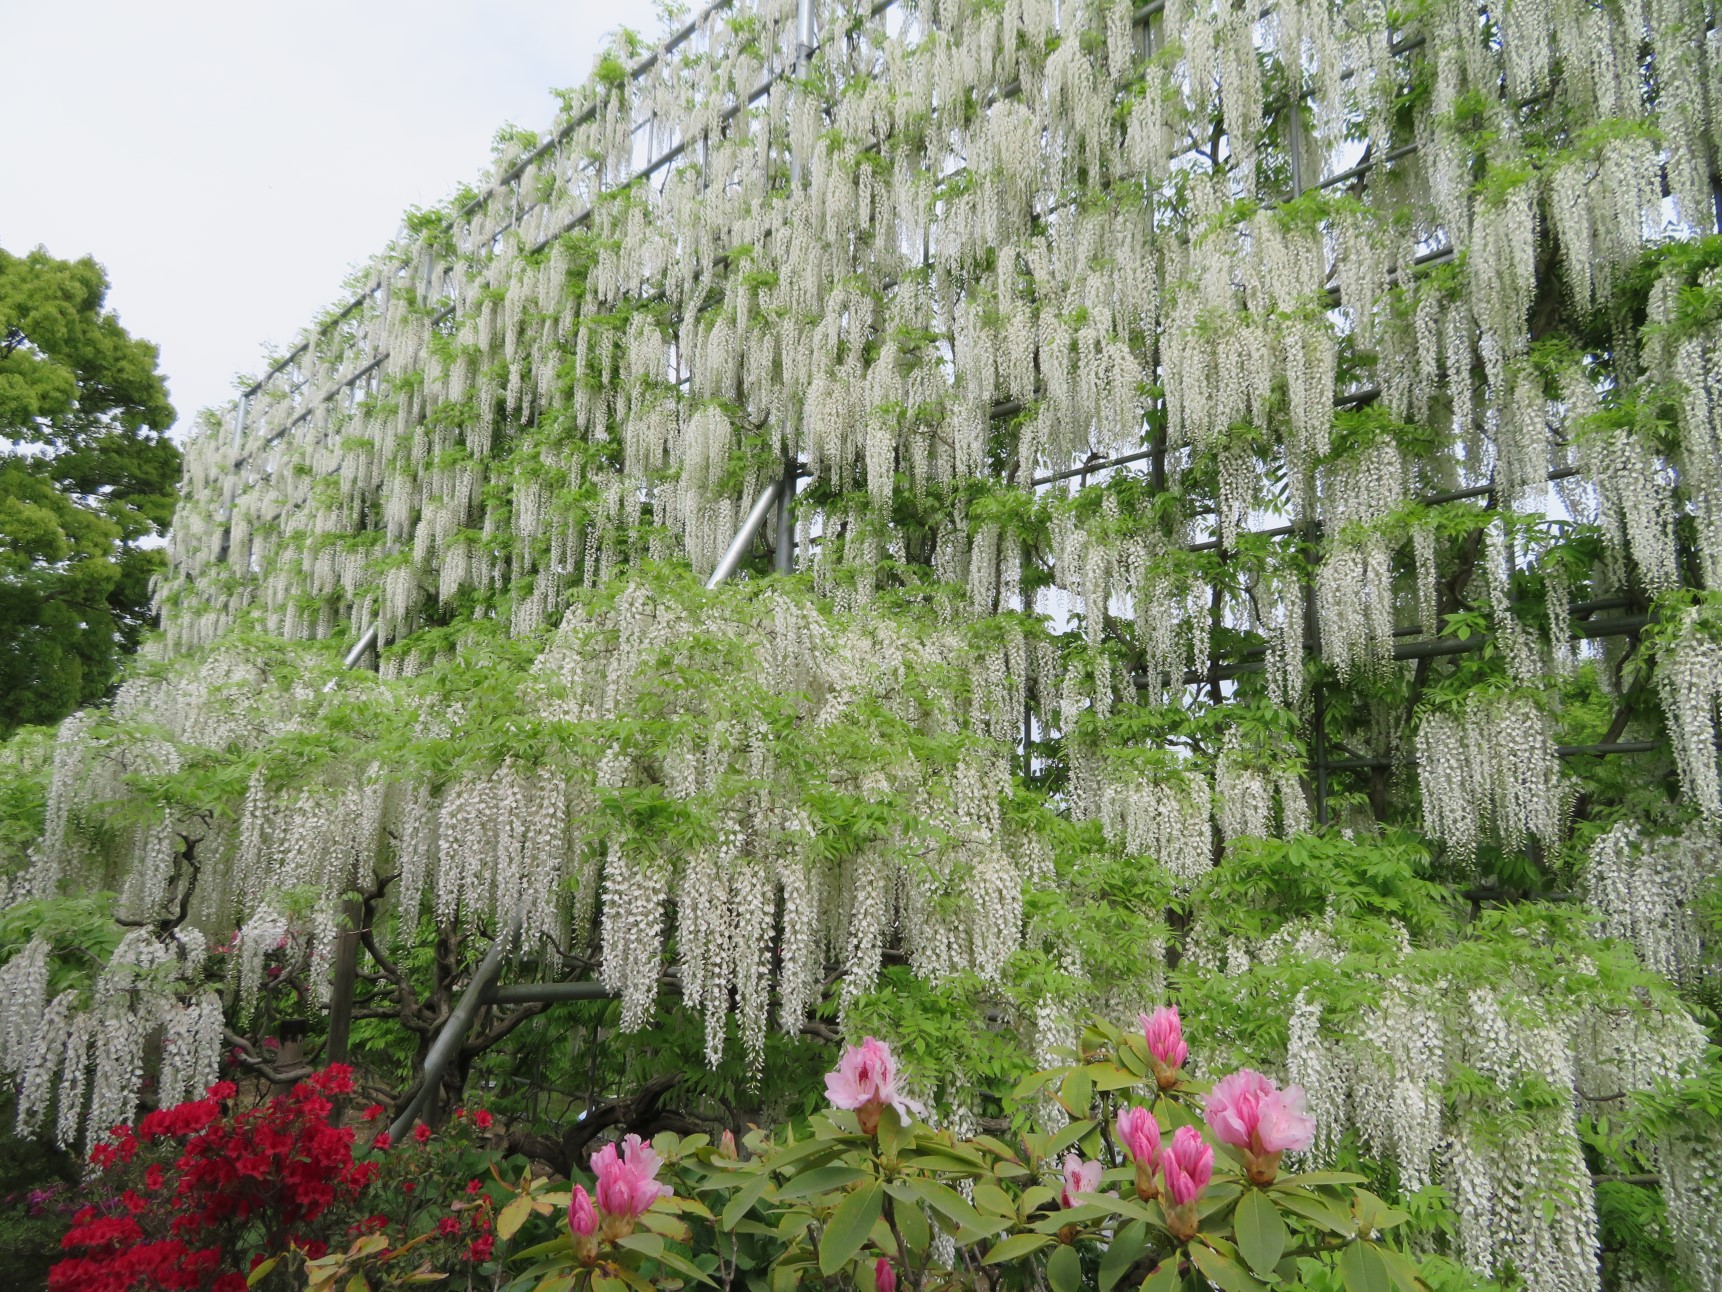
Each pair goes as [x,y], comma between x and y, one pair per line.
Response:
[726,1145]
[884,1277]
[1140,1134]
[582,1219]
[1188,1166]
[1164,1033]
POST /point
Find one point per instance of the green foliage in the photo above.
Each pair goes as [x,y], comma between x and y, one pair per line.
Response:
[36,1201]
[79,930]
[87,486]
[834,1196]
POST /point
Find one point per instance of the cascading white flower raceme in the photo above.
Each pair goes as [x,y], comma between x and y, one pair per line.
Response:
[953,250]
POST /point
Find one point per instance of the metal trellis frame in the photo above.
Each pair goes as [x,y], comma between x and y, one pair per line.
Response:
[484,988]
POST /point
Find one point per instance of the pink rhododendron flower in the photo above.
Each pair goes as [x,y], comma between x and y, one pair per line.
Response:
[866,1081]
[1140,1134]
[884,1277]
[1187,1165]
[1233,1107]
[1284,1125]
[1250,1113]
[627,1183]
[1164,1033]
[1079,1177]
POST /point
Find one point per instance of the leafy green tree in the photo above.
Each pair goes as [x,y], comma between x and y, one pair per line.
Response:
[87,485]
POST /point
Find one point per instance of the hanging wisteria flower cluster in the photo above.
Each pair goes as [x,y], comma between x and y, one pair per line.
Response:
[1646,891]
[86,1060]
[1158,397]
[855,269]
[1490,770]
[1389,1075]
[550,850]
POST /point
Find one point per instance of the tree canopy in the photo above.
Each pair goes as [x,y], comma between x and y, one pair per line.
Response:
[88,480]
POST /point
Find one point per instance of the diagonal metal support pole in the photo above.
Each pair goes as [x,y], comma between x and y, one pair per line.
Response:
[453,1035]
[738,545]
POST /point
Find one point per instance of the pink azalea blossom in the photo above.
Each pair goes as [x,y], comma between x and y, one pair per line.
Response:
[1188,1164]
[866,1081]
[1164,1032]
[627,1183]
[1079,1177]
[1140,1134]
[884,1277]
[582,1219]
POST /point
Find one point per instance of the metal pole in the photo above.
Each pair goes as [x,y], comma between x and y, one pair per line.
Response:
[1561,751]
[535,993]
[783,560]
[1625,626]
[346,970]
[368,640]
[453,1035]
[744,536]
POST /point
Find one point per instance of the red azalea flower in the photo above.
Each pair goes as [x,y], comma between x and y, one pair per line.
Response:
[382,1141]
[421,1133]
[448,1225]
[473,1186]
[372,1113]
[480,1248]
[482,1119]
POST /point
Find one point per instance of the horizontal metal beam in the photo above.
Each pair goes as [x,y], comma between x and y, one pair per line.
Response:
[1561,751]
[546,993]
[1431,648]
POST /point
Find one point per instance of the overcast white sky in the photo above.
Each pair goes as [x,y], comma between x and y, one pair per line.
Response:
[230,162]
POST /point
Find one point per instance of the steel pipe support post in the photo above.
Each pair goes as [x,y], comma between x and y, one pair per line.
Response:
[738,545]
[453,1034]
